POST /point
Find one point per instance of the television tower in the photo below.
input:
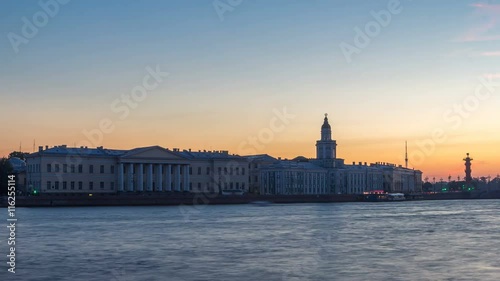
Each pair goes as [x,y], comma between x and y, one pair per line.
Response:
[406,154]
[468,171]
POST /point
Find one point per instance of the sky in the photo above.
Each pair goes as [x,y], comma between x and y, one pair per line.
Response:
[256,77]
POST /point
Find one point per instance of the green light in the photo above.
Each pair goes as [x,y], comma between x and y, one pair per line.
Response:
[35,192]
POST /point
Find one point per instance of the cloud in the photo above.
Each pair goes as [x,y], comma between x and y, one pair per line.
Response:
[490,54]
[487,29]
[471,53]
[492,75]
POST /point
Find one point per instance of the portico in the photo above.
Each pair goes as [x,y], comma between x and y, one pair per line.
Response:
[152,169]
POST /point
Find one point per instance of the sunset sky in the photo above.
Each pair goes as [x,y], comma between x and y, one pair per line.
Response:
[427,75]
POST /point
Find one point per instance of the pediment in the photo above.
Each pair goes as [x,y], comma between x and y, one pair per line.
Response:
[152,153]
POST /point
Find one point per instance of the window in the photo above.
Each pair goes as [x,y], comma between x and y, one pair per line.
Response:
[72,185]
[231,171]
[112,169]
[91,169]
[237,185]
[190,186]
[80,168]
[220,170]
[80,185]
[91,185]
[225,170]
[199,186]
[102,169]
[72,168]
[65,168]
[49,185]
[243,171]
[101,185]
[208,170]
[57,168]
[112,185]
[237,171]
[49,168]
[65,185]
[199,170]
[190,170]
[57,185]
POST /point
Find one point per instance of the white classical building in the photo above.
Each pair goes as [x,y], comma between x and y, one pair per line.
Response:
[327,174]
[62,169]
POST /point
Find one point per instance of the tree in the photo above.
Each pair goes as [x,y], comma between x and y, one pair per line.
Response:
[5,171]
[427,187]
[19,154]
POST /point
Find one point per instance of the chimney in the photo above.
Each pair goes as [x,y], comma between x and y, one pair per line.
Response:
[40,148]
[46,147]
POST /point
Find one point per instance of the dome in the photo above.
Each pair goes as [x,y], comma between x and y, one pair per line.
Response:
[300,159]
[17,164]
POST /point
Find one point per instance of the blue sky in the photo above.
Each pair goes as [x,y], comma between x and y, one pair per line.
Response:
[226,76]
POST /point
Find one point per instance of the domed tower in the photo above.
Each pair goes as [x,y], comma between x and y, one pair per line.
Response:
[326,147]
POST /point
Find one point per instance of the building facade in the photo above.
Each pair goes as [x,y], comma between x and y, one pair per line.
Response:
[330,175]
[62,169]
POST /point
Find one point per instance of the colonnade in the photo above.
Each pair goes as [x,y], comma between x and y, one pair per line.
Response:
[153,177]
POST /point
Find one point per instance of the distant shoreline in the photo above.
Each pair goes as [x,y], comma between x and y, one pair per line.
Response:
[175,199]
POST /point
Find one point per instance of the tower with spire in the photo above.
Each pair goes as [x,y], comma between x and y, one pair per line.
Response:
[326,148]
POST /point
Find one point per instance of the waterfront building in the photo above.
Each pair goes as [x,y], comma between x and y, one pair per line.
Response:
[62,169]
[213,171]
[293,177]
[330,175]
[255,164]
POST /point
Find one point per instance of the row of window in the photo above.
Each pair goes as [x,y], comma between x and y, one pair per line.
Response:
[34,168]
[231,171]
[73,168]
[227,185]
[77,185]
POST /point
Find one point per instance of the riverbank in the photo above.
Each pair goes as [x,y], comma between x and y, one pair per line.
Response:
[166,199]
[170,199]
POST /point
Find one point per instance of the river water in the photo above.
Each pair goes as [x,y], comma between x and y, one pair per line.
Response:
[420,240]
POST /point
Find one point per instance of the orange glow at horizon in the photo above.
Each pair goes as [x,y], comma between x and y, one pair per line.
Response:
[445,161]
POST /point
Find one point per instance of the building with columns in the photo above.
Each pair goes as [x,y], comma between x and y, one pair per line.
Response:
[332,176]
[62,169]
